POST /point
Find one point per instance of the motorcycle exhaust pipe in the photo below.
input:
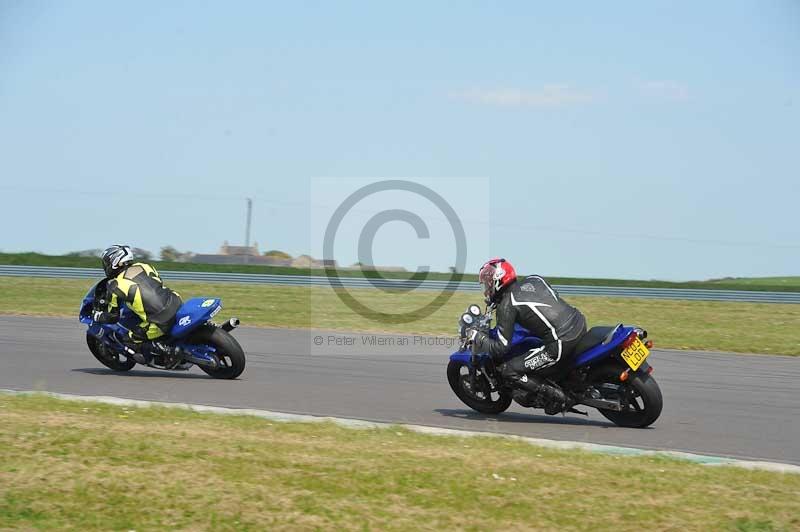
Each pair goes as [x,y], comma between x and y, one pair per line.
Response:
[201,361]
[230,325]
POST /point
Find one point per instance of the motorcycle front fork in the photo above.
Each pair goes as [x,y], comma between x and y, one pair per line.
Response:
[479,384]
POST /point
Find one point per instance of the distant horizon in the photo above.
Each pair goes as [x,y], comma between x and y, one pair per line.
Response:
[156,257]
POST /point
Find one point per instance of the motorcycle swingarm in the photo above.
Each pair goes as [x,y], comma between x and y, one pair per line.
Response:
[200,355]
[603,404]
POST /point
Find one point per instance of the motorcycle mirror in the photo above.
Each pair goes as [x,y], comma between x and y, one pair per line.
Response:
[475,310]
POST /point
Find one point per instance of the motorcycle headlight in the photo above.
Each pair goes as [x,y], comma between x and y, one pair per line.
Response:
[475,310]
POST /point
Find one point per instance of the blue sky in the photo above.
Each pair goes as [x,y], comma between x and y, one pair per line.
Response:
[616,139]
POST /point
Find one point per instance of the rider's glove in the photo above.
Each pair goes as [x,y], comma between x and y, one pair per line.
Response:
[100,316]
[472,334]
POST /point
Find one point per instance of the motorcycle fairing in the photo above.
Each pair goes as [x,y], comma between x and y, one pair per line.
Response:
[194,312]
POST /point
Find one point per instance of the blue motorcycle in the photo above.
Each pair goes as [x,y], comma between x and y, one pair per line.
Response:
[609,373]
[198,340]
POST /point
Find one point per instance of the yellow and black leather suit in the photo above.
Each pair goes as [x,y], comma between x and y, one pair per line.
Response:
[139,288]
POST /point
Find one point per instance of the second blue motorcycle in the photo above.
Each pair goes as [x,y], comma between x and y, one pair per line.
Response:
[610,373]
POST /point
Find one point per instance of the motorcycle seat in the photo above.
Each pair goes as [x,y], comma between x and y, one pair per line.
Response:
[594,336]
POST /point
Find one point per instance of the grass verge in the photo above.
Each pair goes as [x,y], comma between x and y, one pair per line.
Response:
[700,325]
[89,466]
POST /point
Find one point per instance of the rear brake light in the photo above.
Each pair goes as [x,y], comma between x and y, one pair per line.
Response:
[632,337]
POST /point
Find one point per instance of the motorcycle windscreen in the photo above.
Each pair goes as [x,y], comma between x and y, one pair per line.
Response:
[85,312]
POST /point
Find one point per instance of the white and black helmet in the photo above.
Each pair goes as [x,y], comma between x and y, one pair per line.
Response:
[115,258]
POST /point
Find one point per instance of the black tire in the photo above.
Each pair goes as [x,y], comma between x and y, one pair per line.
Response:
[111,360]
[486,405]
[229,352]
[642,393]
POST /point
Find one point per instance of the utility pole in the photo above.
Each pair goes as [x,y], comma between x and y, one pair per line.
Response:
[247,227]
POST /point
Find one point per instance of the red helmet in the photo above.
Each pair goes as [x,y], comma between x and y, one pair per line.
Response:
[495,275]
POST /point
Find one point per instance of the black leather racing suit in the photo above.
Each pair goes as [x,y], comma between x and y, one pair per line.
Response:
[537,307]
[139,288]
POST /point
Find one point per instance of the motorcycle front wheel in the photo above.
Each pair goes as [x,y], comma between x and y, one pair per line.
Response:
[107,357]
[477,399]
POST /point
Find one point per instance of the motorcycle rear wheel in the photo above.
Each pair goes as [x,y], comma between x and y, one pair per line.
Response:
[642,395]
[103,354]
[485,404]
[229,352]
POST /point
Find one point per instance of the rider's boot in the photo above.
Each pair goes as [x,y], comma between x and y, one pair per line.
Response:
[141,358]
[558,402]
[134,351]
[555,399]
[145,353]
[171,355]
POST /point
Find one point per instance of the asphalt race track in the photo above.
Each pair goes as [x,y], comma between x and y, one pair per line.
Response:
[742,406]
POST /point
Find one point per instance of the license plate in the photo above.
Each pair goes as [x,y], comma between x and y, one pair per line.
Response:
[635,354]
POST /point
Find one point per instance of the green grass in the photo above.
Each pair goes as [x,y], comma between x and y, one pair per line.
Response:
[701,325]
[71,465]
[779,284]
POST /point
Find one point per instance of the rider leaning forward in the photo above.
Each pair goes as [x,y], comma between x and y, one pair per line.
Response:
[536,306]
[138,287]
